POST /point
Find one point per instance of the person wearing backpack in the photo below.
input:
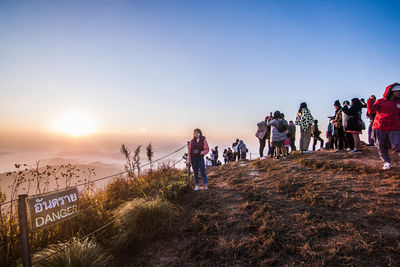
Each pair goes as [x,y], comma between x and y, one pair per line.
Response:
[304,119]
[386,124]
[242,150]
[263,133]
[279,127]
[316,134]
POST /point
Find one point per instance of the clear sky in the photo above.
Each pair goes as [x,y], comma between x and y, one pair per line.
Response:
[162,68]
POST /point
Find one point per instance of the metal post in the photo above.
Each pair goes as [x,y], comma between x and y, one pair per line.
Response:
[188,166]
[24,232]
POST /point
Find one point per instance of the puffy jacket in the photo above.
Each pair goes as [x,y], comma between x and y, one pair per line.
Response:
[263,130]
[387,112]
[276,135]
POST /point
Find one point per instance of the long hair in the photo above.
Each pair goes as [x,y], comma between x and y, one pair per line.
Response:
[356,103]
[197,130]
[302,105]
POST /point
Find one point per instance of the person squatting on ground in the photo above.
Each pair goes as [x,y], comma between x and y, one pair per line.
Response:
[263,135]
[278,133]
[198,148]
[316,134]
[304,119]
[386,124]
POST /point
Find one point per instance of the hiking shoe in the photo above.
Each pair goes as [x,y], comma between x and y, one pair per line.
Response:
[355,151]
[205,187]
[307,152]
[387,166]
[196,188]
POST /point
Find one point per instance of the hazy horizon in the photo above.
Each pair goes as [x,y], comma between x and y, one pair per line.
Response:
[80,78]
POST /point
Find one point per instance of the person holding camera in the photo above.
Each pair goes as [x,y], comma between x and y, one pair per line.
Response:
[198,148]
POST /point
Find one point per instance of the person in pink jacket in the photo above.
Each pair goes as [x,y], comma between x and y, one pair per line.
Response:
[198,148]
[386,124]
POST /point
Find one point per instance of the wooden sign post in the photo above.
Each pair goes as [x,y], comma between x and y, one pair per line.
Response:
[24,231]
[44,210]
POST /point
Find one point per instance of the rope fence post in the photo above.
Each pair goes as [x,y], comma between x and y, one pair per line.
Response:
[188,165]
[24,232]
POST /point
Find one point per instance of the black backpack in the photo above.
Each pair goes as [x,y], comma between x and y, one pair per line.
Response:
[283,126]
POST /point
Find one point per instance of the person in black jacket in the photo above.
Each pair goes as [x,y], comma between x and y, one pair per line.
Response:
[354,125]
[316,134]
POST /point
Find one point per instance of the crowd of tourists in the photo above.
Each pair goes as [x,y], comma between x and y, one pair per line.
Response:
[343,131]
[278,136]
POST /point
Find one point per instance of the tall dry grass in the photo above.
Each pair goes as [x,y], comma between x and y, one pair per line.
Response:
[163,184]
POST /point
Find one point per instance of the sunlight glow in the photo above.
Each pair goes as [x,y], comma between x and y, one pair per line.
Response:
[75,124]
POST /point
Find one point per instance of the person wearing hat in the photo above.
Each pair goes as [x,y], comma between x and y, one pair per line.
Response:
[386,124]
[263,133]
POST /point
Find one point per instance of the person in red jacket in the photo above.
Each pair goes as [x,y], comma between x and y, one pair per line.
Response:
[198,148]
[386,124]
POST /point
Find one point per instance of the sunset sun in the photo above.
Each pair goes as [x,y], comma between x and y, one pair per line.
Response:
[75,124]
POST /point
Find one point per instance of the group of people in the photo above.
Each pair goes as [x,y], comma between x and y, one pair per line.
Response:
[343,132]
[344,128]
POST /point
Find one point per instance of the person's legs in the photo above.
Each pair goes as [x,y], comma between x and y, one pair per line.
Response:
[314,143]
[195,166]
[269,147]
[370,137]
[273,148]
[357,143]
[307,139]
[382,143]
[394,139]
[243,155]
[302,134]
[277,152]
[203,171]
[322,141]
[340,138]
[350,140]
[292,145]
[262,146]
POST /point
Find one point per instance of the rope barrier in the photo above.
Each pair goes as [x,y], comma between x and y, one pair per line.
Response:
[111,222]
[109,176]
[92,233]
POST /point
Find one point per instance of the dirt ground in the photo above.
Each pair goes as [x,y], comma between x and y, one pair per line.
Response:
[313,209]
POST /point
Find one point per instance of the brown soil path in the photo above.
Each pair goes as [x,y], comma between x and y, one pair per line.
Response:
[318,209]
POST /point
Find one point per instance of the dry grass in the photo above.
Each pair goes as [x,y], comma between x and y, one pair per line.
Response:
[318,209]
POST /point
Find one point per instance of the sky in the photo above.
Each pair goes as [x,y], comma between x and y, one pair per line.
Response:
[154,70]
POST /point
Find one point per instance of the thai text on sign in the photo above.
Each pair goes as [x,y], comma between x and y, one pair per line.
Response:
[52,208]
